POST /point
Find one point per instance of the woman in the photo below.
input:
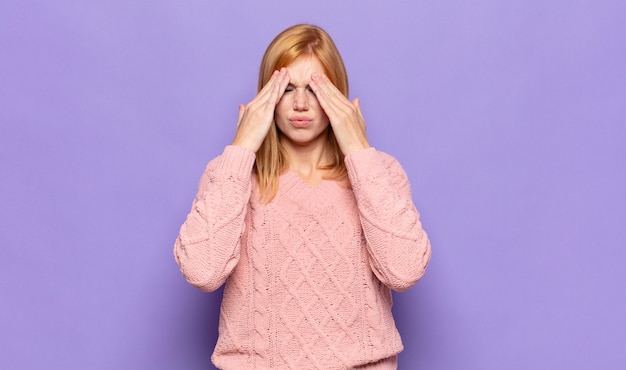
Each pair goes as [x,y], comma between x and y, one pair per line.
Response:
[307,224]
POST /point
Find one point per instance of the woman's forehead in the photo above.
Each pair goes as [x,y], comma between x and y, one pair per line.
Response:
[300,70]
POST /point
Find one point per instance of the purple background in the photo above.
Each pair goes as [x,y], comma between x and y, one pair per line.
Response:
[509,117]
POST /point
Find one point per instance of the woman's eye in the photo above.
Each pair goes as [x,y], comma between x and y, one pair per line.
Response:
[289,89]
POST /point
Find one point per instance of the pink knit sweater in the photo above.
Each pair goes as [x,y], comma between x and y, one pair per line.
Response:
[308,274]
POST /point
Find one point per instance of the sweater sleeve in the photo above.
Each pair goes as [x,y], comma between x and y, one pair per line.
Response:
[398,246]
[208,246]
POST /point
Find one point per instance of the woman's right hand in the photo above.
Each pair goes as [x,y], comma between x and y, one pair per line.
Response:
[256,118]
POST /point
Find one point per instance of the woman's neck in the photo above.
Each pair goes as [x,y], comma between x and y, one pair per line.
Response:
[306,161]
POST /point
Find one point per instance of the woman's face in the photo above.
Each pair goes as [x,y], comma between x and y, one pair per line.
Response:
[299,115]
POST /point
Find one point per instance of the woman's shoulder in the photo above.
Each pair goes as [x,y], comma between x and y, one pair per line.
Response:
[233,156]
[373,155]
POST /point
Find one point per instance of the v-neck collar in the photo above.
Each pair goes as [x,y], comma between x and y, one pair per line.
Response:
[294,187]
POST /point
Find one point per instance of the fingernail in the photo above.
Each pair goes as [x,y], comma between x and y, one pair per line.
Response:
[315,76]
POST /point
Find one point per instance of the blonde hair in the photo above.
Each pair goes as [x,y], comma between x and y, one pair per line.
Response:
[296,42]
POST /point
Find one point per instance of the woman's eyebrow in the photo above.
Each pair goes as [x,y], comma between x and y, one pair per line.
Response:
[296,85]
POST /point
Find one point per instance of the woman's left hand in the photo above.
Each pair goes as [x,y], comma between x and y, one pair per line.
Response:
[345,117]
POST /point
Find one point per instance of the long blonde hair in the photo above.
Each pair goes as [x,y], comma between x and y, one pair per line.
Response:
[295,42]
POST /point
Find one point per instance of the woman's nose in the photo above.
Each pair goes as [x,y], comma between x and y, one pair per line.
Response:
[301,101]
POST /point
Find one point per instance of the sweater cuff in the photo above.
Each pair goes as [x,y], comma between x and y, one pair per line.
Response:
[359,163]
[237,162]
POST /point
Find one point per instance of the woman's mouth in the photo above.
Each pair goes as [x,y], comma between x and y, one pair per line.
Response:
[300,122]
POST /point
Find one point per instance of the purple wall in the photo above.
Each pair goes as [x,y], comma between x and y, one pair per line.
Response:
[509,116]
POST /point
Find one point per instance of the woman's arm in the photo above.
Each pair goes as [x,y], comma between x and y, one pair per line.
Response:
[208,246]
[398,246]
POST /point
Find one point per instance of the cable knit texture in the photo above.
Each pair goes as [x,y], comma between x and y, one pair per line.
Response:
[308,274]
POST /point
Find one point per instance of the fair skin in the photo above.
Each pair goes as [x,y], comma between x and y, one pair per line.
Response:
[303,102]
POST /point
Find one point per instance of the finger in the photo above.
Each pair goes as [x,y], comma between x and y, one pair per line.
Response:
[267,97]
[329,96]
[329,88]
[242,109]
[282,80]
[266,91]
[357,103]
[322,85]
[321,91]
